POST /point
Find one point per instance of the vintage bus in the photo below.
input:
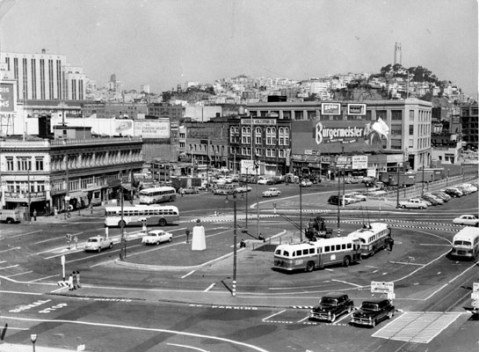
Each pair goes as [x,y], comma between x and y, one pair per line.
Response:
[373,237]
[136,215]
[317,254]
[157,195]
[465,243]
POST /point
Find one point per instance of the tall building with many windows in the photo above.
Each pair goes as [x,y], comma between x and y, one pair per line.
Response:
[44,77]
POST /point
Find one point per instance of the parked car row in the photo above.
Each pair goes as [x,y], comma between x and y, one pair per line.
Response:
[437,197]
[348,198]
[369,314]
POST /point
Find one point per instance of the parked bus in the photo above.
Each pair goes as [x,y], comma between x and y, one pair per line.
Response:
[135,215]
[157,195]
[317,254]
[465,243]
[373,237]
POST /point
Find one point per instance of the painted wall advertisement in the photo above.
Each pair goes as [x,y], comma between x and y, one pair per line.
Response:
[152,129]
[7,97]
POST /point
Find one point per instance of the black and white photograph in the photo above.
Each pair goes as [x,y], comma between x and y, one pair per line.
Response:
[239,175]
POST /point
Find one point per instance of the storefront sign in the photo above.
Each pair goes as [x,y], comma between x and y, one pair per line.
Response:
[258,121]
[6,97]
[330,109]
[360,162]
[325,134]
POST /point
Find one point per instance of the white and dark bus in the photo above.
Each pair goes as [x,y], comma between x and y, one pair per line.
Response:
[318,254]
[465,244]
[136,215]
[373,237]
[157,195]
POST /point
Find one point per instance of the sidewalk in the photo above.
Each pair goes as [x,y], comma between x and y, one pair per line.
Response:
[7,347]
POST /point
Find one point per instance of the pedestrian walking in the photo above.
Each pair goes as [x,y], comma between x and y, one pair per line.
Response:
[182,192]
[70,282]
[77,280]
[390,242]
[187,233]
[34,215]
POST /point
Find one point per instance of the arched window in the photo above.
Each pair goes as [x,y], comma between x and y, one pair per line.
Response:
[258,140]
[271,136]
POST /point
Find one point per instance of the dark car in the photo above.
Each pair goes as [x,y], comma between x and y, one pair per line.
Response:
[335,200]
[332,306]
[373,312]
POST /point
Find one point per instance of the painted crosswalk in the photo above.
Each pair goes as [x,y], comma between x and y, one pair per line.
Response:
[417,327]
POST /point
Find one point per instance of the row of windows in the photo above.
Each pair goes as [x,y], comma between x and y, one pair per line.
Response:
[268,152]
[22,186]
[153,211]
[24,164]
[310,251]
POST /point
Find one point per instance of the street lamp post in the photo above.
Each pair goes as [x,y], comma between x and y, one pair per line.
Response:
[33,338]
[300,210]
[29,194]
[234,246]
[122,225]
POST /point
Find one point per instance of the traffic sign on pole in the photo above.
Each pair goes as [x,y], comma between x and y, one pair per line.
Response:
[382,287]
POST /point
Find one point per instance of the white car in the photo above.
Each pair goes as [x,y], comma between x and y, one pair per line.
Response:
[262,181]
[356,196]
[413,203]
[271,192]
[97,243]
[305,183]
[242,189]
[156,237]
[469,220]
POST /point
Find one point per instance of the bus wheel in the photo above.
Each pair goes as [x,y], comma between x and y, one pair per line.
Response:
[310,267]
[346,261]
[122,223]
[162,222]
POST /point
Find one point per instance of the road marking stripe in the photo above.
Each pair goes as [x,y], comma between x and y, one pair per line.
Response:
[187,346]
[139,328]
[274,314]
[18,274]
[406,263]
[44,278]
[9,249]
[209,287]
[186,275]
[8,267]
[346,282]
[25,234]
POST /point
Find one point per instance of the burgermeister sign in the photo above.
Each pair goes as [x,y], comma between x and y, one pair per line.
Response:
[337,131]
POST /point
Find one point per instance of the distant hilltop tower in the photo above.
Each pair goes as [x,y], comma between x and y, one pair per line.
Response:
[397,54]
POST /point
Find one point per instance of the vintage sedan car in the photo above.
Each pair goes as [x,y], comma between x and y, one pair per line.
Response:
[432,199]
[360,197]
[373,312]
[442,195]
[305,183]
[271,192]
[242,189]
[454,192]
[468,220]
[156,237]
[98,243]
[413,203]
[332,306]
[223,191]
[190,190]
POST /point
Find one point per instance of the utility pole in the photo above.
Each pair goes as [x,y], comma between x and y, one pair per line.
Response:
[29,192]
[398,183]
[300,209]
[235,248]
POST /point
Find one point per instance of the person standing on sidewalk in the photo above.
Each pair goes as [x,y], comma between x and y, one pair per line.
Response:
[34,215]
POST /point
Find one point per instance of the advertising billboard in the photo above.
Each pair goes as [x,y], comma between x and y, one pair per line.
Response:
[7,97]
[152,128]
[330,109]
[123,128]
[356,109]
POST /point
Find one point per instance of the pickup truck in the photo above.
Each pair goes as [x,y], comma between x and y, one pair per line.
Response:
[98,243]
[332,306]
[373,312]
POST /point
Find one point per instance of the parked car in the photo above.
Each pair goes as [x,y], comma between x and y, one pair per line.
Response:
[190,190]
[262,180]
[454,192]
[271,192]
[242,189]
[223,191]
[413,203]
[432,199]
[98,243]
[335,200]
[470,187]
[444,196]
[359,196]
[332,306]
[469,220]
[465,189]
[156,237]
[372,312]
[305,183]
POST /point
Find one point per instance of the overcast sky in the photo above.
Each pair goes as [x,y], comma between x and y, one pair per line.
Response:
[166,42]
